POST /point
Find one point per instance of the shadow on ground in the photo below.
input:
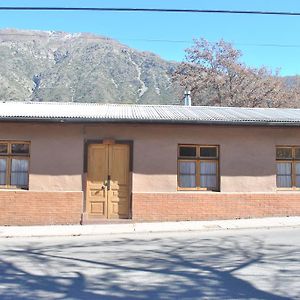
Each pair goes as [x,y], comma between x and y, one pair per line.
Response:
[152,268]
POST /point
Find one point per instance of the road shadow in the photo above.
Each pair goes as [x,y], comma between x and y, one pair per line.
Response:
[153,268]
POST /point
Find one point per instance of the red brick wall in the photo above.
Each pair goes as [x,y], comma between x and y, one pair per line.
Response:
[40,208]
[204,206]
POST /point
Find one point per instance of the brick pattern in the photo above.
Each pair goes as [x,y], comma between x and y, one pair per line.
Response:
[204,206]
[40,208]
[44,208]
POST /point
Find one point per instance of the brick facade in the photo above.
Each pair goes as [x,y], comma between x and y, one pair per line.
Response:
[40,208]
[204,206]
[49,208]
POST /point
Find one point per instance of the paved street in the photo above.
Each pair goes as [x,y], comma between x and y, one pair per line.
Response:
[235,264]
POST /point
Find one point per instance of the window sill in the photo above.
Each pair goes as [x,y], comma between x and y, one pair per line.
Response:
[12,188]
[288,189]
[197,190]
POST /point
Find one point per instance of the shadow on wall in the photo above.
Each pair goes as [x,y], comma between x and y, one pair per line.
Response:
[244,151]
[212,268]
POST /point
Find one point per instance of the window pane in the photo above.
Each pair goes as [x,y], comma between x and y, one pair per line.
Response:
[297,174]
[187,174]
[208,151]
[2,164]
[3,148]
[297,181]
[208,181]
[187,167]
[208,167]
[20,148]
[284,168]
[284,181]
[284,174]
[297,168]
[187,181]
[283,153]
[208,174]
[297,153]
[187,151]
[19,172]
[2,171]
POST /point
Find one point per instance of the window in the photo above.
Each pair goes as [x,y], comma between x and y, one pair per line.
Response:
[14,164]
[288,167]
[198,167]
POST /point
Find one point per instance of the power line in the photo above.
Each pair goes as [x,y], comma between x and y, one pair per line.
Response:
[271,45]
[191,42]
[159,10]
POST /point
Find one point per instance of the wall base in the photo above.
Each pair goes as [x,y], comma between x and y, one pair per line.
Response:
[51,208]
[205,206]
[40,208]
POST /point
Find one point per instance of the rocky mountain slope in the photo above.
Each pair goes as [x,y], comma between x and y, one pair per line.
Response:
[57,66]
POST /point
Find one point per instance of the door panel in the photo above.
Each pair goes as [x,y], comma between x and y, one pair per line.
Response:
[118,204]
[96,177]
[104,162]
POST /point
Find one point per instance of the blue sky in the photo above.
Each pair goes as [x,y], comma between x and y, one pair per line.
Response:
[139,30]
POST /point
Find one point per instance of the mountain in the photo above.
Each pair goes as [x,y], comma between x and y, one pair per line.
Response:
[291,81]
[59,66]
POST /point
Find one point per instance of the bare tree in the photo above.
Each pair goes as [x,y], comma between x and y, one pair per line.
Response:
[216,76]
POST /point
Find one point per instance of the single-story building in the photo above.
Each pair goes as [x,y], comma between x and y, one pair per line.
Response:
[71,163]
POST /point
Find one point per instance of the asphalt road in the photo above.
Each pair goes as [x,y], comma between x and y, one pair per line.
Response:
[234,264]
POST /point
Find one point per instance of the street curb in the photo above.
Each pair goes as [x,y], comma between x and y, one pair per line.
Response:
[122,228]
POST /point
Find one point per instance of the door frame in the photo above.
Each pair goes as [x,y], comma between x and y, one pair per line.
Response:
[88,142]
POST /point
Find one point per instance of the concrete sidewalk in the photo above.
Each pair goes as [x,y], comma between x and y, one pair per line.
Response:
[76,230]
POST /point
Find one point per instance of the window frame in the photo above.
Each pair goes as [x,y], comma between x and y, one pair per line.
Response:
[198,159]
[9,156]
[293,160]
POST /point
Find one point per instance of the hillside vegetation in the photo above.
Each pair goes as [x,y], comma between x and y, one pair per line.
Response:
[57,66]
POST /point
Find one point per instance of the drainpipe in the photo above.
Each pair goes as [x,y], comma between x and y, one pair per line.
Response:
[187,98]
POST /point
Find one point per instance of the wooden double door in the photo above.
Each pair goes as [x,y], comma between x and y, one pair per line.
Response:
[108,181]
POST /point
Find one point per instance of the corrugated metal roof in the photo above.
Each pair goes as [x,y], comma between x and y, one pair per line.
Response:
[91,112]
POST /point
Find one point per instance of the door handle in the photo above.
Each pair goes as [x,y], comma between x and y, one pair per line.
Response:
[108,183]
[103,187]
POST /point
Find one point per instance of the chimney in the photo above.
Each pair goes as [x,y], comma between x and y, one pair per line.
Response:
[187,98]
